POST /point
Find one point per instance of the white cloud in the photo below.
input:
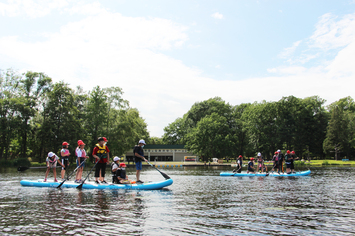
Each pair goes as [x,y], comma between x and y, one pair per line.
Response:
[217,15]
[287,52]
[108,49]
[218,66]
[30,8]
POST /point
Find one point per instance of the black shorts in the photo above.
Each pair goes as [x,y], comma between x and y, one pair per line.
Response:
[251,170]
[288,165]
[65,162]
[292,166]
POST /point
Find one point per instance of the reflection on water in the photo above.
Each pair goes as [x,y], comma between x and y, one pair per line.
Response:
[199,202]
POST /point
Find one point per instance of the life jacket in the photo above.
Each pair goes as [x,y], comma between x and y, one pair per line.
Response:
[66,151]
[102,153]
[52,160]
[83,153]
[250,164]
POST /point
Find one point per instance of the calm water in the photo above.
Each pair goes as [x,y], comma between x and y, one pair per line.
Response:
[198,203]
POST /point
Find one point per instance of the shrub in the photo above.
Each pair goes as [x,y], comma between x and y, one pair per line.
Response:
[15,162]
[325,163]
[299,163]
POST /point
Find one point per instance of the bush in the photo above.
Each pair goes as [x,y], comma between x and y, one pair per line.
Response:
[15,162]
[325,163]
[299,163]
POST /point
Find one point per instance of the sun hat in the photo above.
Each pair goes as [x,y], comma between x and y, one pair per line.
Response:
[65,144]
[259,154]
[80,141]
[116,159]
[51,154]
[141,141]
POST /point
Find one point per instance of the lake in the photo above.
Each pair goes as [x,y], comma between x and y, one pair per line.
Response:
[200,202]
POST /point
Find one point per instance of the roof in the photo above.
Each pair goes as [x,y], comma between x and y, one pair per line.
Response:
[163,146]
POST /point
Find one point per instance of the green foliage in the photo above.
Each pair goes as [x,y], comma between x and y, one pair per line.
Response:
[325,163]
[299,163]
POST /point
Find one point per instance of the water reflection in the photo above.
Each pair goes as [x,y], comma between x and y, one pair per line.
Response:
[199,202]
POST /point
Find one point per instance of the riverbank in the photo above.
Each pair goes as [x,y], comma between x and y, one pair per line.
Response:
[316,163]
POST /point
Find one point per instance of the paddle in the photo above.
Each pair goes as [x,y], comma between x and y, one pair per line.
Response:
[81,185]
[71,174]
[163,174]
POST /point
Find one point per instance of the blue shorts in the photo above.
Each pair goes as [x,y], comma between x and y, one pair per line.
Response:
[81,161]
[139,165]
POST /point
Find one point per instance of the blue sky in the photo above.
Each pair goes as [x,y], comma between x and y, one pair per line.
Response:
[167,55]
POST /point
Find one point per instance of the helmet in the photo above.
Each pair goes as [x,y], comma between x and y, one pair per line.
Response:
[65,144]
[105,139]
[116,159]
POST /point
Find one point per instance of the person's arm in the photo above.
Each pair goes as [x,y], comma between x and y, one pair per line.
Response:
[94,152]
[60,162]
[140,156]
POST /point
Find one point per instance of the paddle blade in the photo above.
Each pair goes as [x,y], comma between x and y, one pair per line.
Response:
[80,186]
[61,184]
[165,175]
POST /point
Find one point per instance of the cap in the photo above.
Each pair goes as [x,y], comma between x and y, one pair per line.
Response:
[288,152]
[141,141]
[122,165]
[51,154]
[116,159]
[259,154]
[80,141]
[240,155]
[276,152]
[100,139]
[252,158]
[293,152]
[105,139]
[65,143]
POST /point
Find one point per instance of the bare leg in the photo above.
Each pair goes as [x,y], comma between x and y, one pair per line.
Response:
[138,172]
[55,173]
[63,173]
[47,172]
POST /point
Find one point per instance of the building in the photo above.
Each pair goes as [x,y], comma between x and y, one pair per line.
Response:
[157,152]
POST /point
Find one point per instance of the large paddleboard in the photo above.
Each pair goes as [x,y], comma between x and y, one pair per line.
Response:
[275,174]
[93,185]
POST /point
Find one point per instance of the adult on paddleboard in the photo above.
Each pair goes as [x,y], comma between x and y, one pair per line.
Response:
[106,141]
[281,158]
[138,158]
[102,156]
[251,168]
[65,157]
[51,161]
[81,156]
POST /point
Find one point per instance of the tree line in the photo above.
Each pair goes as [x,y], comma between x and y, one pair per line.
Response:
[214,128]
[37,115]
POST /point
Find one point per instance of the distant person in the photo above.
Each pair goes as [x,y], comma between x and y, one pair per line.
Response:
[102,156]
[139,157]
[294,157]
[81,156]
[51,162]
[65,157]
[281,158]
[275,159]
[288,161]
[251,166]
[239,164]
[260,162]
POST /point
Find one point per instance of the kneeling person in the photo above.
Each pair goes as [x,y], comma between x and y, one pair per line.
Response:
[119,172]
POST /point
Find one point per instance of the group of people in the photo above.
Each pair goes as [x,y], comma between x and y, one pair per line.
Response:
[278,159]
[101,153]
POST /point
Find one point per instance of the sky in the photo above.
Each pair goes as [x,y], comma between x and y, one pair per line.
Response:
[167,55]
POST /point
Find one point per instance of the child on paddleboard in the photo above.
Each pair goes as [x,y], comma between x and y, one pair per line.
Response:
[260,162]
[65,157]
[251,166]
[239,164]
[51,161]
[81,156]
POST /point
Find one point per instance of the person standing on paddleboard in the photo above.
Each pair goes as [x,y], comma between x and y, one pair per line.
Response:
[251,166]
[81,156]
[106,141]
[138,158]
[239,164]
[102,156]
[260,162]
[275,159]
[51,161]
[288,160]
[294,157]
[65,158]
[281,159]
